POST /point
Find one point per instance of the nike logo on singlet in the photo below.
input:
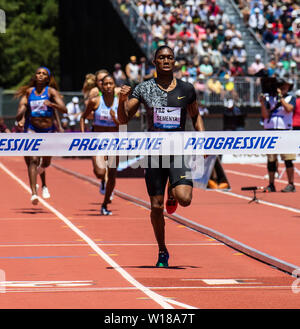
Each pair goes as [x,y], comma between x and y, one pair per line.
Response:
[178,97]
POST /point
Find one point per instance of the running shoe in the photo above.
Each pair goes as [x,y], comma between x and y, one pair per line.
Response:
[34,199]
[223,186]
[171,203]
[163,257]
[102,186]
[45,192]
[270,188]
[104,211]
[289,188]
[212,184]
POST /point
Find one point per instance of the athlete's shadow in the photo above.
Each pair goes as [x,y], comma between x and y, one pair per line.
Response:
[178,267]
[31,211]
[88,213]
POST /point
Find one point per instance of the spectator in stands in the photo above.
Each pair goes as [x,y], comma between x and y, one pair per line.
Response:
[204,50]
[185,34]
[192,55]
[236,68]
[179,24]
[171,37]
[74,113]
[147,70]
[296,114]
[293,73]
[257,21]
[206,68]
[226,51]
[200,86]
[256,66]
[192,72]
[3,126]
[119,75]
[271,69]
[157,30]
[296,53]
[216,58]
[240,55]
[214,86]
[279,44]
[157,10]
[132,72]
[268,36]
[279,70]
[144,8]
[214,9]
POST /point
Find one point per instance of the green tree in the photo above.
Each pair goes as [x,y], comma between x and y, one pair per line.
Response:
[30,41]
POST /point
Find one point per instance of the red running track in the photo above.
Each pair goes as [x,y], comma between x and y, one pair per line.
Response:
[63,254]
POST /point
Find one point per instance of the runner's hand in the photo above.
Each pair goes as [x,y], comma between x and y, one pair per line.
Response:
[48,103]
[124,93]
[113,116]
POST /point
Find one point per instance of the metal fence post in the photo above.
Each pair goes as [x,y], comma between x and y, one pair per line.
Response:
[251,100]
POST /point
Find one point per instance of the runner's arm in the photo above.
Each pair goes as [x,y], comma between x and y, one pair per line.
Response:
[22,108]
[88,110]
[127,107]
[58,103]
[195,116]
[57,119]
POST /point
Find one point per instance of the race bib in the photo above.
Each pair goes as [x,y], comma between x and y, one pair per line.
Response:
[38,106]
[105,118]
[39,109]
[166,117]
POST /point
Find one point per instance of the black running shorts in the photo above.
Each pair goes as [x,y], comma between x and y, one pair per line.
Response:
[162,168]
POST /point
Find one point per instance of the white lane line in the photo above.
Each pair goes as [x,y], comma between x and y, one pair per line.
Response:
[117,289]
[154,296]
[108,244]
[255,176]
[267,203]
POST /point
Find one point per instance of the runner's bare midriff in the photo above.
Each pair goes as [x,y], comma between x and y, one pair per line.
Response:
[42,123]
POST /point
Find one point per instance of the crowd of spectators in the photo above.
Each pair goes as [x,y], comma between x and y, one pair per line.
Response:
[208,47]
[277,24]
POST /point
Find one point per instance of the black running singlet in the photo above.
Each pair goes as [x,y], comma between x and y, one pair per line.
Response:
[166,111]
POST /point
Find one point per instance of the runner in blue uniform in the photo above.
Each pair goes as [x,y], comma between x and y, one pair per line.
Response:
[38,102]
[167,101]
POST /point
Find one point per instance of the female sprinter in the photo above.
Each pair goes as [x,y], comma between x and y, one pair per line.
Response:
[104,107]
[95,90]
[39,101]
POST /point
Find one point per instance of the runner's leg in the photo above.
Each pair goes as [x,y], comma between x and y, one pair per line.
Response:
[158,221]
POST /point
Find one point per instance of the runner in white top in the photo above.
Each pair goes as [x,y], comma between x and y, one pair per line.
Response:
[104,107]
